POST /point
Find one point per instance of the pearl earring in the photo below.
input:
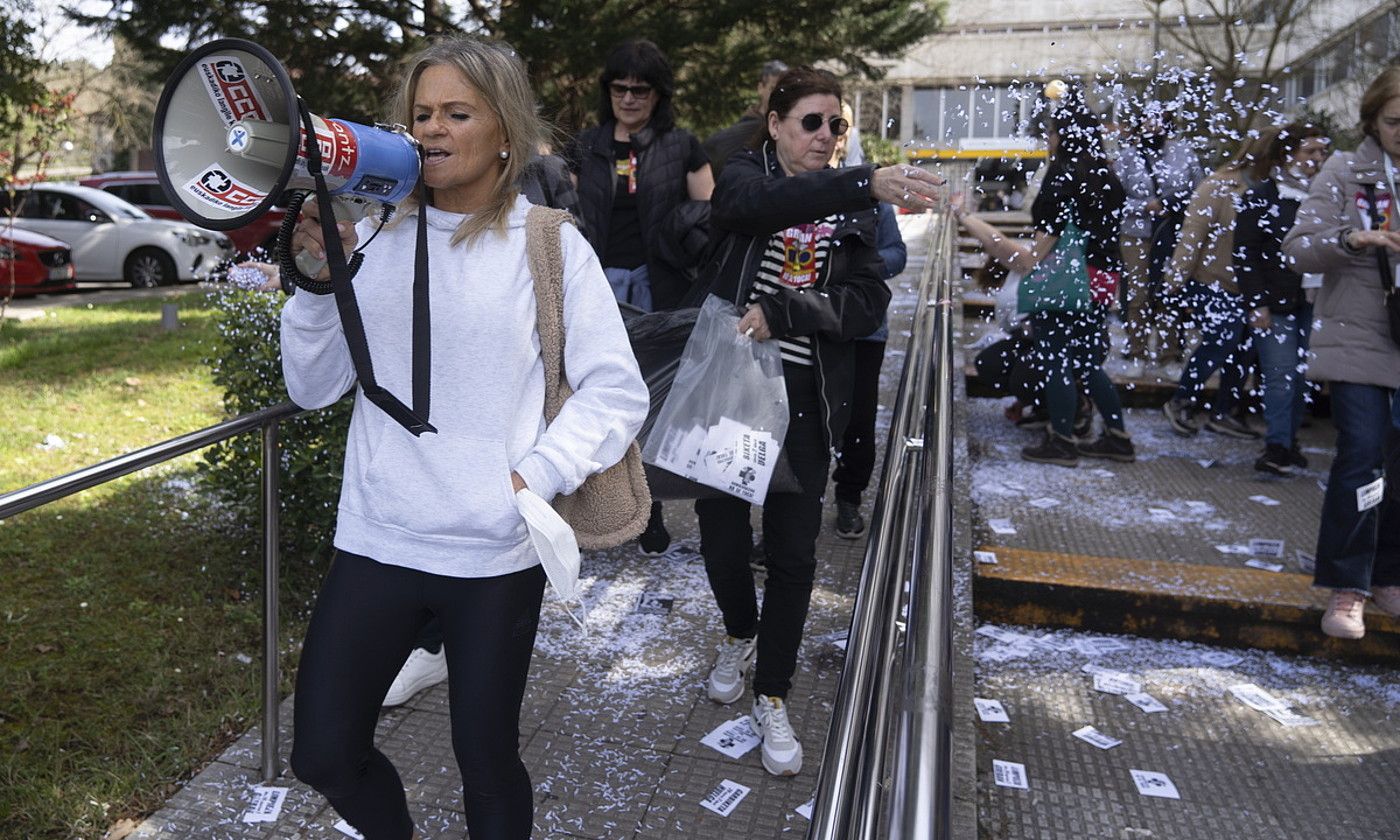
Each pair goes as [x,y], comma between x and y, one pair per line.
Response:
[505,155]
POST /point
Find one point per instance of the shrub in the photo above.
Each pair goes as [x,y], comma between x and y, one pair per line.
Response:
[247,365]
[880,151]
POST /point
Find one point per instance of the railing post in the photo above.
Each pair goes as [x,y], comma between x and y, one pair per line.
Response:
[271,762]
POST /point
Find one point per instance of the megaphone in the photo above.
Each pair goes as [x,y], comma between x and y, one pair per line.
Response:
[229,139]
[231,135]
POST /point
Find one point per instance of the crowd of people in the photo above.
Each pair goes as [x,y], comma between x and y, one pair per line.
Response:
[437,573]
[1274,259]
[1285,265]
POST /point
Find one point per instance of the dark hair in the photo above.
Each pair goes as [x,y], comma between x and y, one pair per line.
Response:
[792,87]
[1289,139]
[643,60]
[1080,165]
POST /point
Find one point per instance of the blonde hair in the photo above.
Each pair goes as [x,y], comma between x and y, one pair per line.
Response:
[1383,88]
[498,74]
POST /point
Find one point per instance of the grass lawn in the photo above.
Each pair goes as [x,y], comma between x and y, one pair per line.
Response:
[129,617]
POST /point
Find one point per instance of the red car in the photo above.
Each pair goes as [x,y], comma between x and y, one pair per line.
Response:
[39,263]
[143,190]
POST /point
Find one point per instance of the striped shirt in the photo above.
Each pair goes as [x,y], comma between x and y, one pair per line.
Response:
[793,259]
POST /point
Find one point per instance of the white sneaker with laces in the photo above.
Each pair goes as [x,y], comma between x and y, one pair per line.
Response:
[1343,619]
[726,682]
[419,671]
[782,754]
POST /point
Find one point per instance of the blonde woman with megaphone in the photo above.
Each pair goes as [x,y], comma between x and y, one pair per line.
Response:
[431,525]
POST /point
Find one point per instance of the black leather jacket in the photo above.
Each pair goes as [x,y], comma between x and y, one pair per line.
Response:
[754,200]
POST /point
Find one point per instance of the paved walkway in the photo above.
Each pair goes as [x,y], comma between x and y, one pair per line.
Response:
[1328,770]
[612,721]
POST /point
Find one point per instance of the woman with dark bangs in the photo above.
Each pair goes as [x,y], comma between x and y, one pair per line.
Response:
[639,178]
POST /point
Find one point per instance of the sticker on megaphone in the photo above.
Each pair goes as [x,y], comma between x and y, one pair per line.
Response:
[217,188]
[232,92]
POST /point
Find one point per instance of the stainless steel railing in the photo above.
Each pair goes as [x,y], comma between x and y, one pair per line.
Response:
[266,421]
[886,769]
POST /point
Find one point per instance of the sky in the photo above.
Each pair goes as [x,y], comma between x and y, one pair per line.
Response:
[62,40]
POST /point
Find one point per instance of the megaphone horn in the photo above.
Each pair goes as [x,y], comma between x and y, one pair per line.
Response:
[231,135]
[228,140]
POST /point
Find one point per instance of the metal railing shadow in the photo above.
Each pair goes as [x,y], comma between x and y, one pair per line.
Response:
[886,769]
[266,421]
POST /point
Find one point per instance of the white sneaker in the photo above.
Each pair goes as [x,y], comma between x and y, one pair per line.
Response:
[1343,619]
[726,682]
[782,754]
[419,671]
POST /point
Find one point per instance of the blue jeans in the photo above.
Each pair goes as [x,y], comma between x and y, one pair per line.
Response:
[1069,349]
[1283,352]
[1357,550]
[631,285]
[1224,346]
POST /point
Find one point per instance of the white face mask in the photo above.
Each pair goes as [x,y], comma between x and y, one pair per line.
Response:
[556,545]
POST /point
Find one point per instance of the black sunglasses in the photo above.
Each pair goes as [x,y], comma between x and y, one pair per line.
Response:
[813,123]
[620,90]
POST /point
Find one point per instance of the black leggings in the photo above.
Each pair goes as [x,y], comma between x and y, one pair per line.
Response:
[364,625]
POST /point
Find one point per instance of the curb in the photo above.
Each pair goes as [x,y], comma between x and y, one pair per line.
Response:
[1217,605]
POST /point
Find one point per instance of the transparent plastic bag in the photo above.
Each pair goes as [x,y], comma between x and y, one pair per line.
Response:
[725,418]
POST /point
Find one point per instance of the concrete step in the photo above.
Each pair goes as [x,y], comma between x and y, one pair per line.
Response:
[1241,607]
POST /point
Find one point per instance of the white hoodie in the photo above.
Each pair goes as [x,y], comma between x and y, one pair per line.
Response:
[442,503]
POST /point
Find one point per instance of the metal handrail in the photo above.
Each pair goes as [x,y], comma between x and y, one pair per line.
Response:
[885,770]
[266,420]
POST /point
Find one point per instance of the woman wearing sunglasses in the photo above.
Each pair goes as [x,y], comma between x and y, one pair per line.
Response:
[796,250]
[639,182]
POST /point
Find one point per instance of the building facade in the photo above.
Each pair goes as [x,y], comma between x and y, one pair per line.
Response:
[969,89]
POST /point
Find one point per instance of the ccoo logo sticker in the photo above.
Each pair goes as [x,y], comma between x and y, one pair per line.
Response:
[216,188]
[231,89]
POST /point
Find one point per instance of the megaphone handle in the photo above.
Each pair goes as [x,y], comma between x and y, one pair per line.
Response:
[345,210]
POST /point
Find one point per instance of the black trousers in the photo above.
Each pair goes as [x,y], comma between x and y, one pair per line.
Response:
[791,522]
[855,459]
[365,622]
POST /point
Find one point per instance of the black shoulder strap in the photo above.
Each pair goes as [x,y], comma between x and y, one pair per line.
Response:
[414,420]
[1382,255]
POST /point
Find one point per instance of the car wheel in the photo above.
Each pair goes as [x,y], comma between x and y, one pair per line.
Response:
[149,267]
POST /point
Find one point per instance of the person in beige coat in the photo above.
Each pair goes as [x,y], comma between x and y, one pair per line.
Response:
[1202,272]
[1347,229]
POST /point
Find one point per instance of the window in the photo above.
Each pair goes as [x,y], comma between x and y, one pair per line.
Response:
[984,112]
[956,111]
[926,113]
[148,194]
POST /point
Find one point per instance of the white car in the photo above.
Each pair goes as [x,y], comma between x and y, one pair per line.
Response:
[113,239]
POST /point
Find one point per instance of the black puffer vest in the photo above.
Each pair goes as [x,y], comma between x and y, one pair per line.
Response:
[661,187]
